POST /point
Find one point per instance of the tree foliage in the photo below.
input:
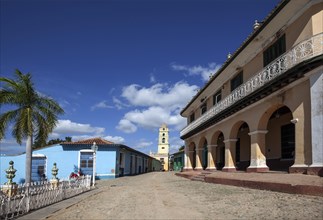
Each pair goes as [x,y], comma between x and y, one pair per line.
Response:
[31,113]
[51,142]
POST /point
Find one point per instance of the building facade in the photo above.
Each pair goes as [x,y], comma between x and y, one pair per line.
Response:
[176,161]
[108,160]
[163,147]
[263,109]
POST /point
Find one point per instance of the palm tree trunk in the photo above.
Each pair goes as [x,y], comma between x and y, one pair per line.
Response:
[28,159]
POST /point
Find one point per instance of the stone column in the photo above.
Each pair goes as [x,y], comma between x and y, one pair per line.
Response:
[211,157]
[258,148]
[199,152]
[187,159]
[316,81]
[299,164]
[230,155]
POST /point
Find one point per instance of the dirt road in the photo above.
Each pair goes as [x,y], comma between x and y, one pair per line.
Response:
[166,196]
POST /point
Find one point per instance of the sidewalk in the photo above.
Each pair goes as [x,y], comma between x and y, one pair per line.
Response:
[273,181]
[44,212]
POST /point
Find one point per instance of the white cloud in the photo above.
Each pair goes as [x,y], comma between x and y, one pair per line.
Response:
[111,90]
[82,137]
[119,104]
[175,144]
[126,126]
[160,103]
[152,78]
[115,139]
[152,117]
[204,72]
[102,104]
[143,144]
[67,127]
[64,103]
[10,146]
[172,97]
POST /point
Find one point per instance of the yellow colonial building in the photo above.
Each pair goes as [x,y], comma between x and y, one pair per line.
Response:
[163,147]
[263,109]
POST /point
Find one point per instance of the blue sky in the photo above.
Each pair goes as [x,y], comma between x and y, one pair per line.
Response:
[121,68]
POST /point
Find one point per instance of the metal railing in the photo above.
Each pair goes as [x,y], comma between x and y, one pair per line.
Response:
[40,194]
[303,51]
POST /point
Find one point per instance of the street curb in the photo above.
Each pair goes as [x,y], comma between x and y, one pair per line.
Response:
[271,186]
[311,190]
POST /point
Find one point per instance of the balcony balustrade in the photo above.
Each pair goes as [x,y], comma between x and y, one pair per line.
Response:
[303,51]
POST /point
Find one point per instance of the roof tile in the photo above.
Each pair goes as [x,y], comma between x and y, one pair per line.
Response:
[97,140]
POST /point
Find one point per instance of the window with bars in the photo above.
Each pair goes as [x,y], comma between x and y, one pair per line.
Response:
[83,163]
[203,108]
[275,50]
[192,117]
[38,168]
[237,81]
[86,162]
[217,97]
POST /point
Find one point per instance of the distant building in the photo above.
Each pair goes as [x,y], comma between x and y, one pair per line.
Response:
[111,161]
[163,147]
[263,109]
[176,161]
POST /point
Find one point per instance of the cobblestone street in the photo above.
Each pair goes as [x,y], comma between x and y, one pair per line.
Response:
[162,195]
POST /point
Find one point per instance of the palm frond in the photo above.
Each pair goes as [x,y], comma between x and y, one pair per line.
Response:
[5,119]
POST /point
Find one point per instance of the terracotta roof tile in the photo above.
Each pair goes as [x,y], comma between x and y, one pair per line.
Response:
[97,140]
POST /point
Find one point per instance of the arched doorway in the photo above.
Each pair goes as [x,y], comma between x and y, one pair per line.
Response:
[220,152]
[243,147]
[280,140]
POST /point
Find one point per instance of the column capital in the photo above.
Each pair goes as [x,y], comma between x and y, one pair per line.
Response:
[212,145]
[258,132]
[230,140]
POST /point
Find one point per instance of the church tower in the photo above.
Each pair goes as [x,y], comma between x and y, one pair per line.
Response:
[163,147]
[163,144]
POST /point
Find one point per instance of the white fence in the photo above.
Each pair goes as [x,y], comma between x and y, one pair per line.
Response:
[40,194]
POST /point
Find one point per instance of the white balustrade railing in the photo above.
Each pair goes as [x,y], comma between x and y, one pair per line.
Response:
[40,194]
[303,51]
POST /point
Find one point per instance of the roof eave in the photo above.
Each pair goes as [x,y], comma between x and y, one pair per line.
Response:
[274,12]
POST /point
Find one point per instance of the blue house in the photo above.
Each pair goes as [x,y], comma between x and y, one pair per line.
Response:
[108,159]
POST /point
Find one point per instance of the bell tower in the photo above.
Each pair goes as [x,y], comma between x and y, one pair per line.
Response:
[163,140]
[163,147]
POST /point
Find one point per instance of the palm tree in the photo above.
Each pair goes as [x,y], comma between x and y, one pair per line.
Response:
[33,115]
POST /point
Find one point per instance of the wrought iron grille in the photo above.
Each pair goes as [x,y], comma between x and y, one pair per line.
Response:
[303,51]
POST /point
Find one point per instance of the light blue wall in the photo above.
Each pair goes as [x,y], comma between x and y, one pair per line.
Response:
[65,158]
[106,167]
[19,165]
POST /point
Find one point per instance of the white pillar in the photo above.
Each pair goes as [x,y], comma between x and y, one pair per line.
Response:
[316,82]
[94,167]
[230,155]
[211,157]
[257,154]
